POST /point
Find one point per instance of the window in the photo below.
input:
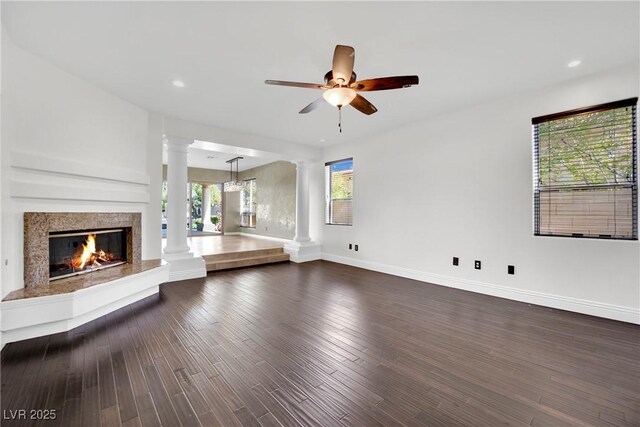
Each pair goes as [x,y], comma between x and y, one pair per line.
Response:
[339,192]
[248,205]
[585,172]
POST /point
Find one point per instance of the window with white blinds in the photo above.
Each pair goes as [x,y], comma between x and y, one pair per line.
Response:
[585,172]
[339,192]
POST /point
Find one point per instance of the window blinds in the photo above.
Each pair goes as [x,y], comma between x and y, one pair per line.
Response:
[585,177]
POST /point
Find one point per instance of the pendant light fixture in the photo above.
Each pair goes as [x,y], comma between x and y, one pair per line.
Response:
[231,185]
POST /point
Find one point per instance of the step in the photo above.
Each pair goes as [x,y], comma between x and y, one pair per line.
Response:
[246,262]
[230,256]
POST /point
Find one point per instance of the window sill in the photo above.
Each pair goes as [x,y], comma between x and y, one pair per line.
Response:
[624,239]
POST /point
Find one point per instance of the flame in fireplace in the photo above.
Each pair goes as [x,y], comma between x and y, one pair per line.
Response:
[88,249]
[90,256]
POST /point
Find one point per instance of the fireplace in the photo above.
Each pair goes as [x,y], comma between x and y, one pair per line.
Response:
[58,245]
[79,252]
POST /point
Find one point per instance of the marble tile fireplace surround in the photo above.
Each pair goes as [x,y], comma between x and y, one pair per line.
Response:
[45,306]
[40,227]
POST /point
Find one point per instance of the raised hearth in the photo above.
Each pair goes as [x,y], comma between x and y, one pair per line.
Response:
[70,302]
[42,231]
[76,283]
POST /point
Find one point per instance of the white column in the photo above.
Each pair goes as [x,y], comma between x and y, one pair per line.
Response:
[302,248]
[206,204]
[302,201]
[182,263]
[176,197]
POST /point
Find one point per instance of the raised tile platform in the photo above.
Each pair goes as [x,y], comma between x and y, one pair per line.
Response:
[228,260]
[228,243]
[227,251]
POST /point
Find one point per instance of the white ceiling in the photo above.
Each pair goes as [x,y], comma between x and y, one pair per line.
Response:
[206,159]
[465,53]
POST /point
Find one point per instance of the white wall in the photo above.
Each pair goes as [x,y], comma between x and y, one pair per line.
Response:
[68,146]
[2,183]
[461,185]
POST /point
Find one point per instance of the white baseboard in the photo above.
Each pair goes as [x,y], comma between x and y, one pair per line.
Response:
[33,317]
[593,308]
[303,252]
[187,268]
[297,252]
[259,236]
[304,258]
[195,273]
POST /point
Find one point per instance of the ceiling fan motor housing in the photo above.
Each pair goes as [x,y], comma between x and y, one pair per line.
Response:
[328,79]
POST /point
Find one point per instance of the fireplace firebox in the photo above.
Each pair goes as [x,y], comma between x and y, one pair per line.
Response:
[80,252]
[55,243]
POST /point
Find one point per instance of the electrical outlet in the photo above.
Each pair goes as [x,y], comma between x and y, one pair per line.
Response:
[478,265]
[511,269]
[356,248]
[350,246]
[455,260]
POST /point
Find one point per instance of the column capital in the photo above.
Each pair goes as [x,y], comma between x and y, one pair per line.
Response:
[177,144]
[301,162]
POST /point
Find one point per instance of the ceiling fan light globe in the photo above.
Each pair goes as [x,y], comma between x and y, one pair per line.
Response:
[339,96]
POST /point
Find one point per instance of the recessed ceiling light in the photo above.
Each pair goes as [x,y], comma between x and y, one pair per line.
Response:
[574,63]
[321,139]
[178,83]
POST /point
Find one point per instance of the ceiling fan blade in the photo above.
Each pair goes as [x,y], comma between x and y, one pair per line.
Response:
[362,105]
[297,84]
[343,58]
[315,104]
[385,83]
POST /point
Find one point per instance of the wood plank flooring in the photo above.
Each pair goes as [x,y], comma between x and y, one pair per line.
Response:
[323,344]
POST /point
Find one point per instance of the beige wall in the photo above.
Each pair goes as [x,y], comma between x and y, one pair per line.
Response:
[276,197]
[231,212]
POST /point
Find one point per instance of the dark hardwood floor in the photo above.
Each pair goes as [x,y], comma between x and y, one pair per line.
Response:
[322,344]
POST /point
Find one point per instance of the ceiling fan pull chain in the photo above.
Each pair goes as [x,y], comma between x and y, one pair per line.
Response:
[340,118]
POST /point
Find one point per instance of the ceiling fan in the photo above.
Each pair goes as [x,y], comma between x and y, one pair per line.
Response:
[341,87]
